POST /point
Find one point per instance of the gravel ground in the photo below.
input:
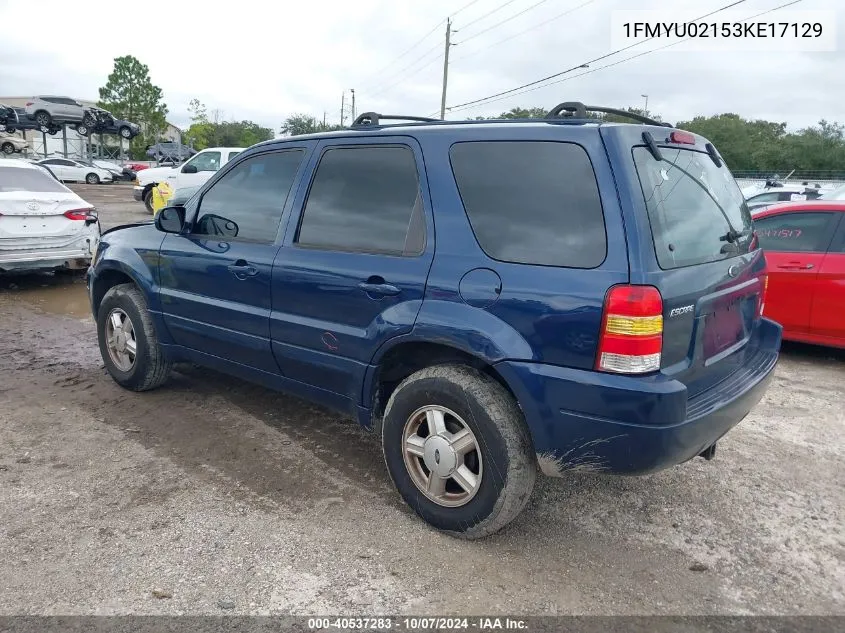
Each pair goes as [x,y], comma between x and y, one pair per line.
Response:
[211,496]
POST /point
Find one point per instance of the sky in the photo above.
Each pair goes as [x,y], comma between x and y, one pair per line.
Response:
[264,61]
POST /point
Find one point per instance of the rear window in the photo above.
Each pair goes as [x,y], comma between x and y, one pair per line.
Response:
[696,210]
[23,179]
[532,202]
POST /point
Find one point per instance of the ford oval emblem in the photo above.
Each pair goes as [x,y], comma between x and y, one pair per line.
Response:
[32,206]
[733,271]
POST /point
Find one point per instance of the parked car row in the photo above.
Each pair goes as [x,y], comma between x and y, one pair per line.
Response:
[48,113]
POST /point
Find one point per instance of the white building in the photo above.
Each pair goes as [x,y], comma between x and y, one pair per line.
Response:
[69,143]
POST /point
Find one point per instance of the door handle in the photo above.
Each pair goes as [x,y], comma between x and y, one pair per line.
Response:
[795,266]
[242,269]
[376,285]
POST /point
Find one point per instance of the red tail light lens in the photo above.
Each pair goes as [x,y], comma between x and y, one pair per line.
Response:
[765,280]
[631,338]
[682,137]
[77,214]
[28,103]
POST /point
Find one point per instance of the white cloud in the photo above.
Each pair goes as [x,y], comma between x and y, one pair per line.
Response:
[263,61]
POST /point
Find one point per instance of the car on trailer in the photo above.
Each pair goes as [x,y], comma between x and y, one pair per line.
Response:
[491,298]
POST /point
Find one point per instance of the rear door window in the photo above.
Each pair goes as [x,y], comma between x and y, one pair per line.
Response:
[532,202]
[696,210]
[795,232]
[367,200]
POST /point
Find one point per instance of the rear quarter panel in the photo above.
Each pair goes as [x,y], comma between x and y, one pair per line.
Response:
[540,313]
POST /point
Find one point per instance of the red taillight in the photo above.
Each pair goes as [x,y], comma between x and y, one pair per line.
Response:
[28,103]
[755,242]
[682,137]
[631,337]
[77,214]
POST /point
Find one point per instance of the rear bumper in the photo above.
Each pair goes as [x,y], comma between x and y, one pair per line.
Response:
[589,421]
[76,255]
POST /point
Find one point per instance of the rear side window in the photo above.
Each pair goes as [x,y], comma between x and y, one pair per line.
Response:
[794,232]
[532,202]
[367,200]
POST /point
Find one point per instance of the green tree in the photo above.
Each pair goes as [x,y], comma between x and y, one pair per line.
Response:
[297,124]
[200,132]
[130,94]
[523,113]
[204,133]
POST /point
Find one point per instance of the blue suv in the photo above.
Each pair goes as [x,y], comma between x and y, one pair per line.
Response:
[492,298]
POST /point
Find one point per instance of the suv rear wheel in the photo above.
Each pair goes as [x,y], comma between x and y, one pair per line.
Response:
[128,342]
[458,450]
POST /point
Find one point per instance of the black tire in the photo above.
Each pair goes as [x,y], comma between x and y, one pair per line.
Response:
[7,148]
[491,413]
[125,132]
[148,200]
[151,368]
[43,119]
[82,129]
[92,179]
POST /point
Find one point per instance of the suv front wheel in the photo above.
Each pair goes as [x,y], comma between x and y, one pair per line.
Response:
[458,450]
[128,342]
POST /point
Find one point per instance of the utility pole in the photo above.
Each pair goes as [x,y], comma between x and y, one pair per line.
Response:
[445,68]
[645,109]
[352,90]
[342,106]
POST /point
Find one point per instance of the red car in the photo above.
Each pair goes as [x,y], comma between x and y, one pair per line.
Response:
[804,244]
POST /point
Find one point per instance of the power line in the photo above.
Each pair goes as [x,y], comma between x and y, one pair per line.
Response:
[391,76]
[466,6]
[523,32]
[489,13]
[408,76]
[597,59]
[412,47]
[626,59]
[498,24]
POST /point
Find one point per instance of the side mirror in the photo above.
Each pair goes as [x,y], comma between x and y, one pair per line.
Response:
[189,169]
[171,219]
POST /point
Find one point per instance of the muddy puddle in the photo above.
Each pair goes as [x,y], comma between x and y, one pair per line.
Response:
[52,293]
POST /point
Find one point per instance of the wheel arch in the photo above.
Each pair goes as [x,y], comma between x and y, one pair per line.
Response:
[406,356]
[114,269]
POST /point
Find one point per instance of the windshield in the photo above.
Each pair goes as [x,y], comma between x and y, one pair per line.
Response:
[696,210]
[19,179]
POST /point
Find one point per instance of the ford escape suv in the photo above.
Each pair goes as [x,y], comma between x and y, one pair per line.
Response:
[492,298]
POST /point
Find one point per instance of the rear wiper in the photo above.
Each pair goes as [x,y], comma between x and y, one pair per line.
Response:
[733,235]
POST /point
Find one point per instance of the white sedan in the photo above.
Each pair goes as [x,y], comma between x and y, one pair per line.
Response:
[69,170]
[43,224]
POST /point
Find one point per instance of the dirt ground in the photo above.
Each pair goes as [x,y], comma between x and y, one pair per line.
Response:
[211,495]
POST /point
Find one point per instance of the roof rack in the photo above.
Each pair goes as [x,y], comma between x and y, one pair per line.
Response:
[371,119]
[577,110]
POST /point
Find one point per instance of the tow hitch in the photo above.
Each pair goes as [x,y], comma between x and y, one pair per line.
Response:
[708,453]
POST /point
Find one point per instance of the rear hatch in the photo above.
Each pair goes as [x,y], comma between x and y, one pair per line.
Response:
[696,246]
[38,212]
